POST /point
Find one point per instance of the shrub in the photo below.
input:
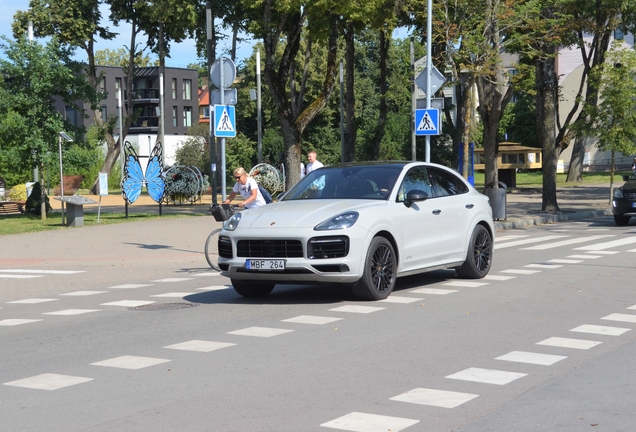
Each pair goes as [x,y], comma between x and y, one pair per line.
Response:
[18,193]
[34,202]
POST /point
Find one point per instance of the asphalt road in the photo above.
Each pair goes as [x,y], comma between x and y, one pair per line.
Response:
[546,344]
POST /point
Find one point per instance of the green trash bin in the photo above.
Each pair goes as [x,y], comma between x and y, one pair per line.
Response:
[497,198]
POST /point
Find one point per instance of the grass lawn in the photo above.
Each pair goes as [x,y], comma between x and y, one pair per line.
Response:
[535,179]
[18,224]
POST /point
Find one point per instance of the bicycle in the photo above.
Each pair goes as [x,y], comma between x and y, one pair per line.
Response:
[221,212]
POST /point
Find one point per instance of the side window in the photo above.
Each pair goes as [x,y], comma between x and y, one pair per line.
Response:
[416,178]
[447,183]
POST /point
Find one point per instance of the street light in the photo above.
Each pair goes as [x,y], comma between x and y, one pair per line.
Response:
[62,136]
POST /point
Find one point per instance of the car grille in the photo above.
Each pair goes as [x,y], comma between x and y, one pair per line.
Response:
[629,196]
[328,247]
[269,249]
[225,247]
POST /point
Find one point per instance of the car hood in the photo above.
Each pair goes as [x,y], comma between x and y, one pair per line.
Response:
[629,186]
[302,213]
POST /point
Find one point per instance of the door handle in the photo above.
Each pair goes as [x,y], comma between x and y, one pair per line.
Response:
[469,206]
[436,212]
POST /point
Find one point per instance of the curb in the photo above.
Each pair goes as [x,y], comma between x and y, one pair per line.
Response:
[548,219]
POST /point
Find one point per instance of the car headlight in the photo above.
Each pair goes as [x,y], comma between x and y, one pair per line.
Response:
[342,221]
[618,193]
[232,223]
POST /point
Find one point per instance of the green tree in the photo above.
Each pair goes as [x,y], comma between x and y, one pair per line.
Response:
[120,57]
[34,77]
[614,118]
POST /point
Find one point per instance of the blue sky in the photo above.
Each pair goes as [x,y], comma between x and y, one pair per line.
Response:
[181,54]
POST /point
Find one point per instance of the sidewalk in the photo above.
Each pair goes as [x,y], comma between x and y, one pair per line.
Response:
[523,206]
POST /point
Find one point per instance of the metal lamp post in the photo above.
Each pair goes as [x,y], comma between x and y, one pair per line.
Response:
[61,136]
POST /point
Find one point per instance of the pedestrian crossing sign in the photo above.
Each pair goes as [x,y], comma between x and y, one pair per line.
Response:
[224,121]
[427,121]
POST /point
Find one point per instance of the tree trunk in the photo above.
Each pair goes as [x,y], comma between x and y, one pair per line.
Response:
[350,101]
[385,42]
[547,93]
[575,171]
[114,148]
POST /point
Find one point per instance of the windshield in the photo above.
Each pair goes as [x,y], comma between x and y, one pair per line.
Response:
[347,182]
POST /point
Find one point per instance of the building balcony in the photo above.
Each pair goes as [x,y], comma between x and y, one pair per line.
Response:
[144,125]
[145,96]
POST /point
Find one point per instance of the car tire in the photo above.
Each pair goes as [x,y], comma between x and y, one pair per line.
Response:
[479,256]
[252,289]
[379,274]
[621,220]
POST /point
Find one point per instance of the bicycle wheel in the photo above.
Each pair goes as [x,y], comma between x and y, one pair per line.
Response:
[212,249]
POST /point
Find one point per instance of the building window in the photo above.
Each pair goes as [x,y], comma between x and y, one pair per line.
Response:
[102,84]
[187,116]
[71,115]
[104,114]
[174,117]
[187,89]
[618,34]
[206,111]
[174,88]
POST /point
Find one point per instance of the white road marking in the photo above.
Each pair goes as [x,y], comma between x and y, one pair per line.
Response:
[32,301]
[71,312]
[128,303]
[499,278]
[311,319]
[48,381]
[260,332]
[402,300]
[509,237]
[434,291]
[130,362]
[83,293]
[466,284]
[173,295]
[172,280]
[608,245]
[544,266]
[565,261]
[130,286]
[532,358]
[14,322]
[17,276]
[215,288]
[433,397]
[584,256]
[519,271]
[206,274]
[567,242]
[41,271]
[528,241]
[569,343]
[605,252]
[200,346]
[486,376]
[601,330]
[357,309]
[361,422]
[620,317]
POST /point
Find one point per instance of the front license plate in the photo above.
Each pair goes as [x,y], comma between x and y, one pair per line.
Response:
[264,264]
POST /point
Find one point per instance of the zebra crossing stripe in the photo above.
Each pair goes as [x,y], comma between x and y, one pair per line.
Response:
[567,242]
[528,241]
[41,271]
[608,245]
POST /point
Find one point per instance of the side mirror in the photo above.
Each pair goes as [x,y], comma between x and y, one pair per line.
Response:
[415,195]
[625,178]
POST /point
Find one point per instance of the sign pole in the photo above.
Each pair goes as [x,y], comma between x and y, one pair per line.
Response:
[223,179]
[413,125]
[210,29]
[429,67]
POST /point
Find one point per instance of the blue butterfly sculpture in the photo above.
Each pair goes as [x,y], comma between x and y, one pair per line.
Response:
[134,178]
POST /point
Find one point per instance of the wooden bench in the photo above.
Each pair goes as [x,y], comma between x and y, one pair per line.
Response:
[12,207]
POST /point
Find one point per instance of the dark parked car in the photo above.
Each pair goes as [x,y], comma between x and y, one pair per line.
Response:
[624,203]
